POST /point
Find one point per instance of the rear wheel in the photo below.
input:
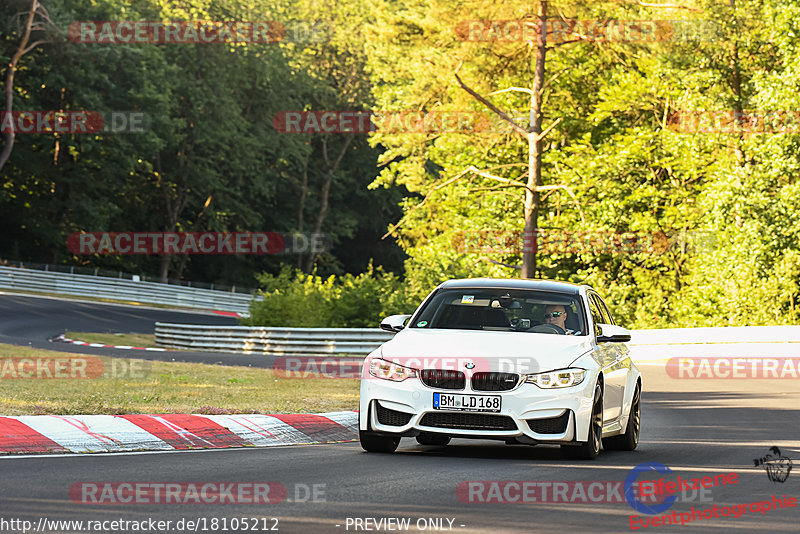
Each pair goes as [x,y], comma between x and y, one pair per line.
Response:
[433,439]
[372,442]
[630,439]
[588,450]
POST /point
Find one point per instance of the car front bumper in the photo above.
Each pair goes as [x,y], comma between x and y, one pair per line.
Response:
[528,414]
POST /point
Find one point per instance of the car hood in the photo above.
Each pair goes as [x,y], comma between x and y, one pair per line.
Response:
[518,352]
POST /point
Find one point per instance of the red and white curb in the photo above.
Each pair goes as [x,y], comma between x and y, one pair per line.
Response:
[62,339]
[229,313]
[163,432]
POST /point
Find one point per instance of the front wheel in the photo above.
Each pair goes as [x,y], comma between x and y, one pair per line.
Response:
[630,439]
[588,450]
[372,442]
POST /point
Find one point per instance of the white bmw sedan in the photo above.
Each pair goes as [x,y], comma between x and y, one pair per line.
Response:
[524,361]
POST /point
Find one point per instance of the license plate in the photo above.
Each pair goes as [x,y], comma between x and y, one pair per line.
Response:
[466,403]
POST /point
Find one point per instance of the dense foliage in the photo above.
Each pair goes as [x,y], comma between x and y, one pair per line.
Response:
[728,201]
[308,300]
[210,159]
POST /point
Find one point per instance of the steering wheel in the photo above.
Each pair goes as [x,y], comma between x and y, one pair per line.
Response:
[548,328]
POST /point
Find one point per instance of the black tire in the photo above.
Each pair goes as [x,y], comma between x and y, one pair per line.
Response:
[630,439]
[588,450]
[372,442]
[439,440]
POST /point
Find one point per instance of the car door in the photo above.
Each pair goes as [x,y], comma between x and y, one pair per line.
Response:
[613,355]
[624,362]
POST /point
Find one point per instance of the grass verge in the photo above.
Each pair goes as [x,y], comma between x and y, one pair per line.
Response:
[159,387]
[134,340]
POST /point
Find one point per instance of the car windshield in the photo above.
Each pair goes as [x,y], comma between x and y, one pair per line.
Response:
[516,310]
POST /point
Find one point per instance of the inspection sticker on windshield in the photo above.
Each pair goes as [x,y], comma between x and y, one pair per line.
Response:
[467,299]
[466,403]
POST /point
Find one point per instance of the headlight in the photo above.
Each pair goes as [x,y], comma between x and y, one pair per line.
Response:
[390,371]
[562,378]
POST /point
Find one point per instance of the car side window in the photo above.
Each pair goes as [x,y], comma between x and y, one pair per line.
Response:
[597,317]
[606,319]
[605,310]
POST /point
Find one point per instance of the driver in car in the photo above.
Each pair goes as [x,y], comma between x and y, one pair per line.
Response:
[556,314]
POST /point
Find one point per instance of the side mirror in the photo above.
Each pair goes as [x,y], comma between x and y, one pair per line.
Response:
[613,334]
[394,323]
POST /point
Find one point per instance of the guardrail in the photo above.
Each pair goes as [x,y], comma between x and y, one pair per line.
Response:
[120,289]
[737,341]
[122,275]
[645,344]
[274,341]
[722,334]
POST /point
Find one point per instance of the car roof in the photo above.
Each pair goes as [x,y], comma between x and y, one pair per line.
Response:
[515,283]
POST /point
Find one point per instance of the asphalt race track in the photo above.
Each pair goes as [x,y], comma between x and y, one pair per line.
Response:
[33,321]
[695,427]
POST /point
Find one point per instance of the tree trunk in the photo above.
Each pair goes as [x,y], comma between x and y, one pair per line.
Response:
[12,69]
[163,268]
[738,103]
[535,151]
[330,168]
[174,206]
[301,204]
